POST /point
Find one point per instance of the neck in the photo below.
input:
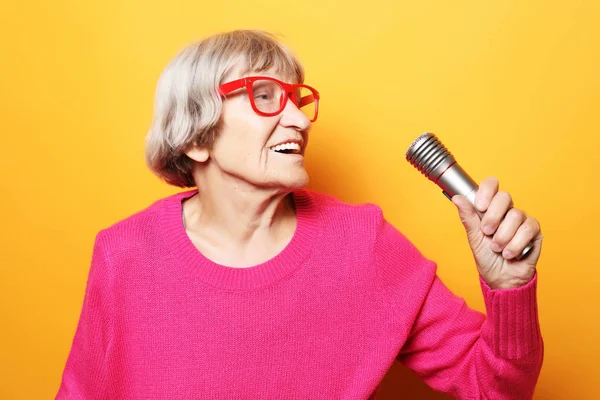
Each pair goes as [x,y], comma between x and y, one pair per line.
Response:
[240,216]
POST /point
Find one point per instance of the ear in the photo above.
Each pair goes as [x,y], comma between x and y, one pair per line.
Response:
[198,154]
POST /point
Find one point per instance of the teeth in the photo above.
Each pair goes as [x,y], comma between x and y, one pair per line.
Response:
[286,146]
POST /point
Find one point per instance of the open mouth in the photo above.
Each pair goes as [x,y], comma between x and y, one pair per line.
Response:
[286,148]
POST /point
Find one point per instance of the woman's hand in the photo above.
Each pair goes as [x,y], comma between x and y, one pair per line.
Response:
[500,236]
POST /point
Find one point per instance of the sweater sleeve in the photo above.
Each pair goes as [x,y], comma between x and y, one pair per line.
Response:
[454,349]
[85,373]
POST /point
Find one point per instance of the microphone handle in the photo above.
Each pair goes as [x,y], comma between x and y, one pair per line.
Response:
[455,180]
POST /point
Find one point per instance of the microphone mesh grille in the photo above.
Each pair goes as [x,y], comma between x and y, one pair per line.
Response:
[427,152]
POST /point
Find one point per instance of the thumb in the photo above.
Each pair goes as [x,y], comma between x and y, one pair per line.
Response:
[468,216]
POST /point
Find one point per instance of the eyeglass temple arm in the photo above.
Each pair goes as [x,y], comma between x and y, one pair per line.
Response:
[231,86]
[306,100]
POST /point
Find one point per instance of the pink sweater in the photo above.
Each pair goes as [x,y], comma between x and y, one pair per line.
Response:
[324,319]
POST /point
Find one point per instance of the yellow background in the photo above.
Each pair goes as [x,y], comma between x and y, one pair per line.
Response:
[510,87]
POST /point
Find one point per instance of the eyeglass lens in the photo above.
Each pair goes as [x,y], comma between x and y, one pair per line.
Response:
[267,97]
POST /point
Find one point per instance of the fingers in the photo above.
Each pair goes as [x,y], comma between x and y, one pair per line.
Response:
[496,212]
[526,232]
[509,227]
[486,192]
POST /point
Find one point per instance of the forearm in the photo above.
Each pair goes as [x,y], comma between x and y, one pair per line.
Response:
[511,341]
[462,352]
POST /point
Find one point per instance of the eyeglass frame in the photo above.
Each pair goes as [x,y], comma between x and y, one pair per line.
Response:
[288,88]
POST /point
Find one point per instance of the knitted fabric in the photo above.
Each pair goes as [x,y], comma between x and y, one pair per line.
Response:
[323,319]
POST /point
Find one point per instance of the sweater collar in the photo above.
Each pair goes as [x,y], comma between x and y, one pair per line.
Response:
[308,229]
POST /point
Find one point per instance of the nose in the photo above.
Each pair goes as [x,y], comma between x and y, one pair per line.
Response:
[293,117]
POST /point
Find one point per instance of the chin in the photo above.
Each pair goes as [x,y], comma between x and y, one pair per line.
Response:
[292,180]
[299,182]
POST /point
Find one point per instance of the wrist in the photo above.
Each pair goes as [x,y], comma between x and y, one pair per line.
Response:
[508,283]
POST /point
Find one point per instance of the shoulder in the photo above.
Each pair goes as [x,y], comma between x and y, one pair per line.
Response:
[331,206]
[363,228]
[140,226]
[366,219]
[347,218]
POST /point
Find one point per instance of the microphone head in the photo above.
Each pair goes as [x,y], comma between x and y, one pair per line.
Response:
[430,156]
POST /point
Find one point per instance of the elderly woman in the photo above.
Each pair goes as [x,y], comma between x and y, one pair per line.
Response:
[252,287]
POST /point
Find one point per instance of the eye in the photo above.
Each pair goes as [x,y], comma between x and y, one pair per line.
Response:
[263,96]
[265,91]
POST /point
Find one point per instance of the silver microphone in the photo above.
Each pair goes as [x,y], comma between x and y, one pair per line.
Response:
[428,155]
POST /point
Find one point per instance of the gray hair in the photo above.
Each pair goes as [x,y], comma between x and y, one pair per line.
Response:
[187,106]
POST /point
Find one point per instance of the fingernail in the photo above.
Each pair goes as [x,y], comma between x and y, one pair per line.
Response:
[487,229]
[508,254]
[496,247]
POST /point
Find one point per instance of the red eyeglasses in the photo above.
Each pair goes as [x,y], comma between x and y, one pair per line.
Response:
[268,96]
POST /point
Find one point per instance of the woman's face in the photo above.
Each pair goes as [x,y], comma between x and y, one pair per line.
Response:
[244,144]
